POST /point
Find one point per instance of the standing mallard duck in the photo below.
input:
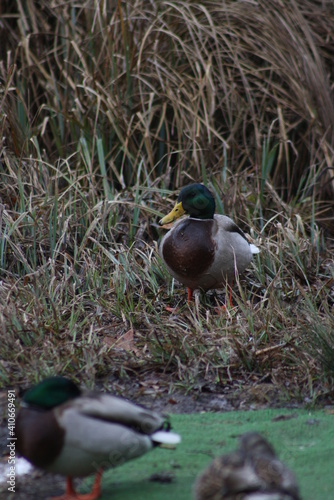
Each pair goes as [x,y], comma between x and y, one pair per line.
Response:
[205,250]
[252,472]
[66,431]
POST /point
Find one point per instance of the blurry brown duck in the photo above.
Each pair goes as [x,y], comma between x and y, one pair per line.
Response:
[252,472]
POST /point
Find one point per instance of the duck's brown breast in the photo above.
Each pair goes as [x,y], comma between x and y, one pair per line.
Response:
[39,437]
[188,249]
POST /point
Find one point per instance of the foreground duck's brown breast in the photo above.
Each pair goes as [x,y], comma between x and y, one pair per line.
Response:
[188,248]
[39,437]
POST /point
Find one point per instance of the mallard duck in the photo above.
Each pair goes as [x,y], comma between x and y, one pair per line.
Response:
[252,472]
[204,250]
[66,431]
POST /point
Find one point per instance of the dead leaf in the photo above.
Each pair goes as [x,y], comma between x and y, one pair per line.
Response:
[126,341]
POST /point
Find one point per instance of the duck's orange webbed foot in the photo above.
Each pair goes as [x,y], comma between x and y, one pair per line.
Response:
[223,309]
[170,309]
[71,494]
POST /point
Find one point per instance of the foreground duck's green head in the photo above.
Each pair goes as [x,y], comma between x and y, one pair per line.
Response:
[195,200]
[51,392]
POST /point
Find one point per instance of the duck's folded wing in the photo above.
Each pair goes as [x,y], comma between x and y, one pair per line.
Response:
[114,409]
[229,225]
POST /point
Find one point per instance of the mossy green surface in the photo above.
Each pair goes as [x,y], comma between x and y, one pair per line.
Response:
[303,439]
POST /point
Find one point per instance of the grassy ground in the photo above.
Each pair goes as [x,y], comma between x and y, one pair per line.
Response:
[302,440]
[107,109]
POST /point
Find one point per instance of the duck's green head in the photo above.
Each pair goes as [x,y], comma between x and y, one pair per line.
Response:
[195,200]
[51,392]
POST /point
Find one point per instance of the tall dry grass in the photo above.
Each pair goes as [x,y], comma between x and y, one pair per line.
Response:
[183,87]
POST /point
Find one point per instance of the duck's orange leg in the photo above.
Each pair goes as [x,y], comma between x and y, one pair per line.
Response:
[71,494]
[221,309]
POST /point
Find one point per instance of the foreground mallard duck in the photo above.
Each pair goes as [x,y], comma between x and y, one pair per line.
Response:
[66,431]
[205,250]
[252,472]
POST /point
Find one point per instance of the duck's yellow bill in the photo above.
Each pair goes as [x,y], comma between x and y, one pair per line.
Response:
[173,215]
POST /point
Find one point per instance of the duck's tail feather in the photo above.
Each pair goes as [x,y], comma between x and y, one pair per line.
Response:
[254,249]
[166,439]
